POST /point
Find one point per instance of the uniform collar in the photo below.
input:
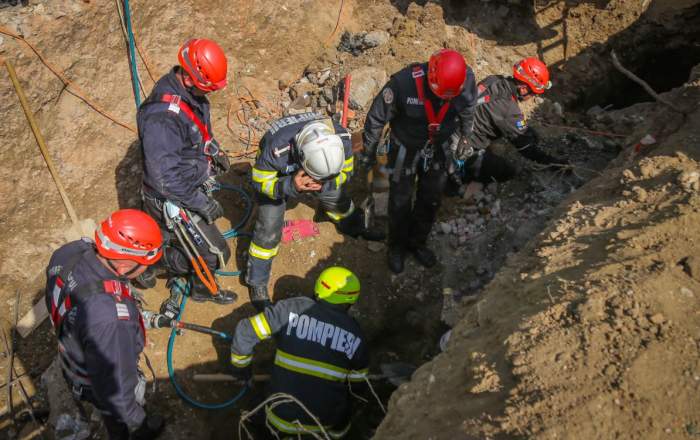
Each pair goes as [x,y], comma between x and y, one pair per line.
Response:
[512,85]
[97,267]
[194,101]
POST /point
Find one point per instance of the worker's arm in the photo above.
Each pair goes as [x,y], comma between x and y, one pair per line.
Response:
[381,112]
[515,128]
[111,351]
[466,115]
[266,175]
[348,164]
[163,151]
[259,327]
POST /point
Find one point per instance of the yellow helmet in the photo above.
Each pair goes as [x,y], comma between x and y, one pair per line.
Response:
[337,285]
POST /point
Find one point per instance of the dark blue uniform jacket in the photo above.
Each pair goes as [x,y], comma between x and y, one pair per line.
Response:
[277,160]
[100,337]
[175,165]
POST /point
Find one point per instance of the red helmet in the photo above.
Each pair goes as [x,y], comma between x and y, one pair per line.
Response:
[130,234]
[205,62]
[447,71]
[534,73]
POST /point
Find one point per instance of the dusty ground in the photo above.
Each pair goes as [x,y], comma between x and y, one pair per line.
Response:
[587,330]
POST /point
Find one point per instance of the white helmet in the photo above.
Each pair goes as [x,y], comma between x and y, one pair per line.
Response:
[321,151]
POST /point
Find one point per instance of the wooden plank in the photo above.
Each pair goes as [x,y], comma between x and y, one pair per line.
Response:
[33,319]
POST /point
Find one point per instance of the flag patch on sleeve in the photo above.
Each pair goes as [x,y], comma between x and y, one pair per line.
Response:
[122,311]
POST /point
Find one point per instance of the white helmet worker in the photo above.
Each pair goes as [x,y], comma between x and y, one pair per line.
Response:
[321,151]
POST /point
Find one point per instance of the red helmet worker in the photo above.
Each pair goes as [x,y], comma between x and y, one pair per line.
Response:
[129,234]
[205,63]
[447,71]
[533,73]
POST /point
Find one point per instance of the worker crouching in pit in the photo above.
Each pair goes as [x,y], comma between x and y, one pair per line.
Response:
[498,115]
[98,325]
[299,154]
[321,353]
[181,159]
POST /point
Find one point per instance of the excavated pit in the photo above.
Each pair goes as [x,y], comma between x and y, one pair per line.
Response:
[477,237]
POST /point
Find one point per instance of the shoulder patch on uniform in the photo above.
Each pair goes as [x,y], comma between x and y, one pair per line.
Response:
[417,72]
[521,124]
[280,151]
[122,311]
[388,95]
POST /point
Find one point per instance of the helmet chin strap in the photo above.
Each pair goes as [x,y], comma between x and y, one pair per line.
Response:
[124,276]
[523,91]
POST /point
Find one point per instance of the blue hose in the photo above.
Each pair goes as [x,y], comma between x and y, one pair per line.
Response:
[231,233]
[171,372]
[132,54]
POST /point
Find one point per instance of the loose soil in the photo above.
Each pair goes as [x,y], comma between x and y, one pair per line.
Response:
[575,295]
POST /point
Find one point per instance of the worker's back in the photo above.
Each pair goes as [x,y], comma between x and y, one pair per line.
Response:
[317,353]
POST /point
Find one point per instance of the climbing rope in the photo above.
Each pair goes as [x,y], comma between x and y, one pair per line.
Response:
[275,400]
[132,55]
[125,32]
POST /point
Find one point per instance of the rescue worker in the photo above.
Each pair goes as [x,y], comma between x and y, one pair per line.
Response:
[181,159]
[98,324]
[321,350]
[422,116]
[499,115]
[304,153]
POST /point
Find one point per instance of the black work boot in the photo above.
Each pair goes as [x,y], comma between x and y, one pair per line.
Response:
[259,297]
[395,258]
[200,293]
[425,256]
[354,226]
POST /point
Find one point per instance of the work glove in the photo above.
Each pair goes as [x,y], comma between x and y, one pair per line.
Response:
[366,161]
[463,150]
[221,162]
[151,427]
[218,156]
[211,211]
[244,374]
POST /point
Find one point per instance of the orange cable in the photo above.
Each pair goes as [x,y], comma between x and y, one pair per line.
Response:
[76,91]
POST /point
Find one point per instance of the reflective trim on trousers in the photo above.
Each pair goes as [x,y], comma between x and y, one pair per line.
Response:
[336,216]
[241,361]
[260,252]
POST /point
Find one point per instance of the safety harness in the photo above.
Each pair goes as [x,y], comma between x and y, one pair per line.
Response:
[177,105]
[63,298]
[434,120]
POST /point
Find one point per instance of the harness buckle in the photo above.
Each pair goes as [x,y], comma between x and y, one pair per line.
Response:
[211,148]
[427,153]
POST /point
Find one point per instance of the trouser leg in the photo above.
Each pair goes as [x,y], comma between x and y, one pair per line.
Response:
[400,201]
[266,238]
[116,429]
[429,190]
[342,211]
[174,257]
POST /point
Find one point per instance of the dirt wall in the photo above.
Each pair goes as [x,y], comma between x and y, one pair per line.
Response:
[591,331]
